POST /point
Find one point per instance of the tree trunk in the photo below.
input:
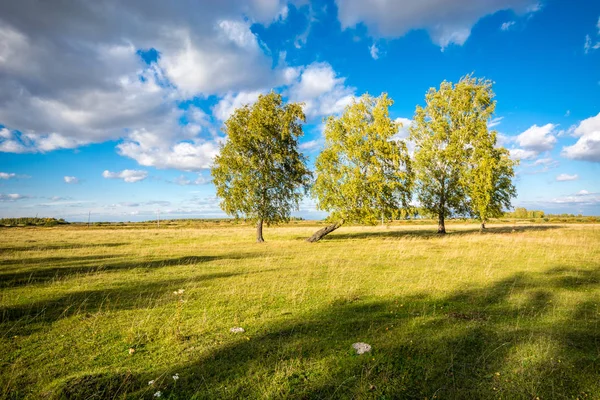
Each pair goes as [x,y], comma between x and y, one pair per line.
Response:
[482,226]
[318,235]
[441,224]
[259,236]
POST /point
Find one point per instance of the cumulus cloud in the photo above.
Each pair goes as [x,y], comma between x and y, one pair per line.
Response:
[587,147]
[62,94]
[227,105]
[521,154]
[448,22]
[538,138]
[187,156]
[567,177]
[71,179]
[320,89]
[128,175]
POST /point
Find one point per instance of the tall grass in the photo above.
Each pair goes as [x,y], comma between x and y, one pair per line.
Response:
[510,313]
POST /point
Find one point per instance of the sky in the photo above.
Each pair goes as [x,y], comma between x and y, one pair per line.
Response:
[115,109]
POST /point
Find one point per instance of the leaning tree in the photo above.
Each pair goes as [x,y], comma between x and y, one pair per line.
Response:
[363,174]
[459,169]
[259,173]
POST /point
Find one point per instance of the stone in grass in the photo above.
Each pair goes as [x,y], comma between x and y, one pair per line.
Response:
[361,348]
[237,329]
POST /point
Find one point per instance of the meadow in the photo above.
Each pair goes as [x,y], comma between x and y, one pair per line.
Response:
[91,313]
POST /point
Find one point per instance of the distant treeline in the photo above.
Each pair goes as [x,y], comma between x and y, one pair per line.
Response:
[522,212]
[32,221]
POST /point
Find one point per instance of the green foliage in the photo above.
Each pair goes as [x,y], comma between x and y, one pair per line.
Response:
[459,171]
[363,173]
[490,185]
[522,212]
[259,173]
[32,221]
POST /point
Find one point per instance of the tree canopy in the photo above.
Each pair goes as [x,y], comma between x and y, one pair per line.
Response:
[364,173]
[459,170]
[259,174]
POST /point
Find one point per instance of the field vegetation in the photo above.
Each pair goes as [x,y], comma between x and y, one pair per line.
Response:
[91,313]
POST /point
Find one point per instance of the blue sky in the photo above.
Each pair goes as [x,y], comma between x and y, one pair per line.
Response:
[117,109]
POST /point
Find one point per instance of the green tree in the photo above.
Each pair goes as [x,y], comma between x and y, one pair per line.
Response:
[363,174]
[259,174]
[490,184]
[453,146]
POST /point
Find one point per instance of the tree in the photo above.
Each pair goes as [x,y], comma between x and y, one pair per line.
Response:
[259,174]
[458,169]
[363,174]
[491,188]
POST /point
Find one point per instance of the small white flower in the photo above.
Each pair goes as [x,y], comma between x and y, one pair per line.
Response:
[176,376]
[158,394]
[150,383]
[361,348]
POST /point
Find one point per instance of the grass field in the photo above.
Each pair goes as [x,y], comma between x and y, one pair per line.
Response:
[513,313]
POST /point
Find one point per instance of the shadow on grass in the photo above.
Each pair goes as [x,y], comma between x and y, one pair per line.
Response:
[393,232]
[56,268]
[499,341]
[31,317]
[66,246]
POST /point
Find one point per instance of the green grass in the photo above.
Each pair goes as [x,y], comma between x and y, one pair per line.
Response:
[510,314]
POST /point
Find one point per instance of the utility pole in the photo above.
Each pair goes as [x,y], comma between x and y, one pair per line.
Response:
[89,215]
[158,218]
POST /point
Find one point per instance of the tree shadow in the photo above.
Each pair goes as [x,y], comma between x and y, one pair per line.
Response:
[471,344]
[56,268]
[67,246]
[31,317]
[393,233]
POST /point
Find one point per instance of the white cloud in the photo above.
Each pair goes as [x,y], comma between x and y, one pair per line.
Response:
[184,181]
[71,179]
[538,138]
[587,147]
[589,44]
[7,175]
[403,130]
[374,51]
[544,161]
[521,154]
[228,57]
[322,91]
[583,197]
[57,93]
[187,156]
[567,177]
[495,122]
[311,145]
[227,105]
[506,26]
[128,175]
[12,197]
[448,22]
